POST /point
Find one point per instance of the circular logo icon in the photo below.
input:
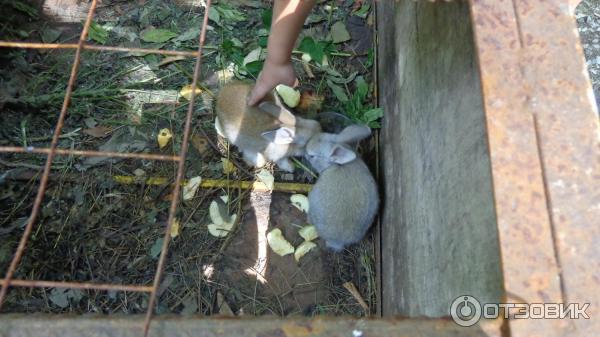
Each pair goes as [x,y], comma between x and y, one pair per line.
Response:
[465,310]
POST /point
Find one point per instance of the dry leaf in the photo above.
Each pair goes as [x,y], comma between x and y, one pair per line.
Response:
[222,306]
[199,143]
[97,132]
[289,95]
[278,243]
[189,190]
[175,228]
[186,92]
[308,233]
[171,59]
[304,248]
[164,136]
[300,201]
[228,166]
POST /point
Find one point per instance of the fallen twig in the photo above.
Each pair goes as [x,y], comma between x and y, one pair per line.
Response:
[357,296]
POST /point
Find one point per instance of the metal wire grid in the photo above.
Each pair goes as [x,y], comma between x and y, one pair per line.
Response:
[52,151]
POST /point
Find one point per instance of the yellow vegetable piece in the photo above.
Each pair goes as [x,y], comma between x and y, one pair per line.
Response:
[289,95]
[304,248]
[164,136]
[220,226]
[278,243]
[186,92]
[267,178]
[228,166]
[300,201]
[308,233]
[175,228]
[217,231]
[189,189]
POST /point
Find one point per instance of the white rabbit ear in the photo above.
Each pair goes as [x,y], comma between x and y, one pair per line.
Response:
[353,133]
[278,111]
[282,136]
[341,155]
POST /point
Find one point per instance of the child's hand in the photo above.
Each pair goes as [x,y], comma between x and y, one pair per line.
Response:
[272,75]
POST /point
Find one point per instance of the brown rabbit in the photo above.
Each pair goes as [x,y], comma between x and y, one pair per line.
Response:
[268,132]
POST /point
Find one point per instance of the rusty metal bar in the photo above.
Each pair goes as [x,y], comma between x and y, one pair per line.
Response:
[19,325]
[33,45]
[180,175]
[543,141]
[44,180]
[76,285]
[88,153]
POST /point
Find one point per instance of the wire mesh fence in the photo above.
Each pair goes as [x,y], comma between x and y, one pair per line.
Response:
[8,280]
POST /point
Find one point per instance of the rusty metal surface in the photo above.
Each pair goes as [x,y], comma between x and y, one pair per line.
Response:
[50,326]
[86,46]
[76,285]
[88,153]
[543,140]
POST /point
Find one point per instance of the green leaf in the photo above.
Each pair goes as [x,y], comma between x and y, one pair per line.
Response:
[310,47]
[97,33]
[364,10]
[230,14]
[338,91]
[253,68]
[189,34]
[374,125]
[214,15]
[362,88]
[262,41]
[339,79]
[370,58]
[267,17]
[373,114]
[254,55]
[157,35]
[25,8]
[339,33]
[156,248]
[50,35]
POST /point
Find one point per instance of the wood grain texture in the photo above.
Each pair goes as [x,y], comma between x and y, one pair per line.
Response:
[439,236]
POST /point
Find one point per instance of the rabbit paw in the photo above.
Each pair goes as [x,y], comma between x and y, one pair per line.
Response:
[286,165]
[254,159]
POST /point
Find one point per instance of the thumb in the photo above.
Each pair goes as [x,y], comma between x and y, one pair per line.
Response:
[256,95]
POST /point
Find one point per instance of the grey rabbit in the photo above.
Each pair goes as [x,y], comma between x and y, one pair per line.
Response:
[345,199]
[268,132]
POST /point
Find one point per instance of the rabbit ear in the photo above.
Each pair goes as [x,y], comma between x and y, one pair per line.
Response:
[353,133]
[282,114]
[282,136]
[341,155]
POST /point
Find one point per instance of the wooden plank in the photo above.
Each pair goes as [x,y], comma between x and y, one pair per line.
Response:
[439,236]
